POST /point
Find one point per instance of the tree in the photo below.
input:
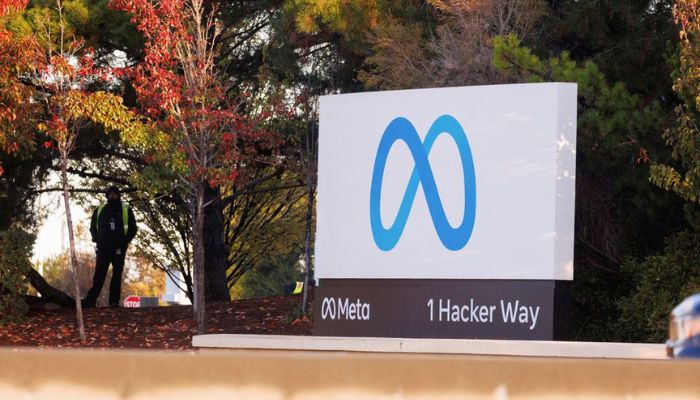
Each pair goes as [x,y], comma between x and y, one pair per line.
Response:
[309,163]
[27,169]
[456,52]
[684,178]
[166,239]
[179,85]
[17,56]
[663,280]
[58,81]
[264,219]
[351,18]
[629,40]
[70,107]
[270,277]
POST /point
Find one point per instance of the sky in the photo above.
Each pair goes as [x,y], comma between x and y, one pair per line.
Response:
[52,237]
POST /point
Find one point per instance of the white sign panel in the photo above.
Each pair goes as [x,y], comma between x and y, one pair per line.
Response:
[451,183]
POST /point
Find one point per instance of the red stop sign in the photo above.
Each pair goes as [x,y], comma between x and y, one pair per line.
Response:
[132,302]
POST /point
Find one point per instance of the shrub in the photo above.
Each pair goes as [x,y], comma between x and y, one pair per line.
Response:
[659,283]
[15,252]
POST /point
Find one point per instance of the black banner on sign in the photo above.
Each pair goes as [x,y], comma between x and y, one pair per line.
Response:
[476,309]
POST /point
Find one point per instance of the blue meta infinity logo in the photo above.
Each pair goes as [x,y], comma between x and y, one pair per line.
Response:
[402,129]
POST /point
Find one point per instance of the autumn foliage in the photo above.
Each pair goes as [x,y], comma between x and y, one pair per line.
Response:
[45,81]
[7,6]
[206,136]
[179,87]
[17,56]
[683,178]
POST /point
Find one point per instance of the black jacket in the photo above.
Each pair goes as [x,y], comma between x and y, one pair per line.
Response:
[111,217]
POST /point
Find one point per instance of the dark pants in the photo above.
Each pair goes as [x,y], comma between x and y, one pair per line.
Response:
[103,259]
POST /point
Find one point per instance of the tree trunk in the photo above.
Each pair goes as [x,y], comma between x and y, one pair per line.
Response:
[40,303]
[48,292]
[307,243]
[71,241]
[215,265]
[198,256]
[310,158]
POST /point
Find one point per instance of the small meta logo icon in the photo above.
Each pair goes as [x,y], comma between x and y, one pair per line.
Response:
[402,129]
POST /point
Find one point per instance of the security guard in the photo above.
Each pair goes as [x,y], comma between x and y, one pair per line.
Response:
[113,227]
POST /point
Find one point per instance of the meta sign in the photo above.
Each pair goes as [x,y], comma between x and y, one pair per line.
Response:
[446,212]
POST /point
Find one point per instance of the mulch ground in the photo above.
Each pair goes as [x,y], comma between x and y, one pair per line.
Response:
[156,328]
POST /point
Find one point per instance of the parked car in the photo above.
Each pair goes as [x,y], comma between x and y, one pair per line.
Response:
[684,329]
